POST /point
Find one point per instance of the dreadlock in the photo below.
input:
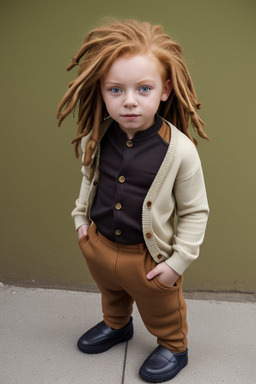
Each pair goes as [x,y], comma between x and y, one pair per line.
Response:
[102,46]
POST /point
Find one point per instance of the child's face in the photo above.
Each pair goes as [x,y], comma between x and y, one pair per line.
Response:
[132,90]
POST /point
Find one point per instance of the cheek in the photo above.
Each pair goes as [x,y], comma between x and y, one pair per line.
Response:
[110,106]
[105,97]
[109,103]
[155,102]
[106,101]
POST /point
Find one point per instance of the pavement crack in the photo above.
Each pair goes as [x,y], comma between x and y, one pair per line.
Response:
[124,366]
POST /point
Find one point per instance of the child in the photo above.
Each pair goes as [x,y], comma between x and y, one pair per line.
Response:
[140,169]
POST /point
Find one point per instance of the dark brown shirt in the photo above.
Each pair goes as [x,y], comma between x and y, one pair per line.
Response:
[127,170]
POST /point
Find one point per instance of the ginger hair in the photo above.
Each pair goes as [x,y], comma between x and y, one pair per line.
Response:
[102,46]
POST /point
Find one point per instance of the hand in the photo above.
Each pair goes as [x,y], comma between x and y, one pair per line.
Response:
[82,231]
[164,273]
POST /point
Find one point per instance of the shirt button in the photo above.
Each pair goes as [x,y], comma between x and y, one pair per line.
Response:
[118,232]
[118,206]
[129,143]
[121,179]
[149,235]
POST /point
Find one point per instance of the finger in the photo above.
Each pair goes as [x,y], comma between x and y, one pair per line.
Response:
[82,232]
[153,273]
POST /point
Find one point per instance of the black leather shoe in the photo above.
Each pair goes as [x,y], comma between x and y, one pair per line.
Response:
[162,365]
[101,337]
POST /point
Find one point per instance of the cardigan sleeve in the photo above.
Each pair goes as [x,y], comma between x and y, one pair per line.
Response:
[192,210]
[79,212]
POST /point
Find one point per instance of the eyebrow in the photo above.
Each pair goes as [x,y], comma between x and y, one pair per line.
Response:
[141,82]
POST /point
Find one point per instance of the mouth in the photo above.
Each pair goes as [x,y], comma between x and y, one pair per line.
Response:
[130,116]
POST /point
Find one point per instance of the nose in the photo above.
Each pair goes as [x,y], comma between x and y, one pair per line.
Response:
[130,100]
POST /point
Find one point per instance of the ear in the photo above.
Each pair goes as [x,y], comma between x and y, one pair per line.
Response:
[166,90]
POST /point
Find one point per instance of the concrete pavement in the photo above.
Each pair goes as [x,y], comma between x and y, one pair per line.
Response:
[40,327]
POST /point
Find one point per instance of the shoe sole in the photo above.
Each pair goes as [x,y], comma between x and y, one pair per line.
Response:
[105,347]
[162,378]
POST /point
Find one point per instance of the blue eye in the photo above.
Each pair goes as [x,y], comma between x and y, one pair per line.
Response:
[115,90]
[144,89]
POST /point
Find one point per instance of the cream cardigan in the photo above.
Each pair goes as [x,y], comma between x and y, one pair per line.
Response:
[178,189]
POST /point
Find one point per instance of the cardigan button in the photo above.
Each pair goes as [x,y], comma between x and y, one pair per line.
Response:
[159,257]
[95,183]
[149,203]
[149,235]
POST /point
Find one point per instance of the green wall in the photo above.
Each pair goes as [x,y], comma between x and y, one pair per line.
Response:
[40,177]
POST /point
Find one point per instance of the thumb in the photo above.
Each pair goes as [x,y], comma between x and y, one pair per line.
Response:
[152,273]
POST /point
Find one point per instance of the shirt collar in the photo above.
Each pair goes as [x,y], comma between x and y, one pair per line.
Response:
[140,135]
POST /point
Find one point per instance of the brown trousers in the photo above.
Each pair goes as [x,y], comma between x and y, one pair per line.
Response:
[120,273]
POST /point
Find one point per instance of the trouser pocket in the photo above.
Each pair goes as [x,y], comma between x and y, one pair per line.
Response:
[82,243]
